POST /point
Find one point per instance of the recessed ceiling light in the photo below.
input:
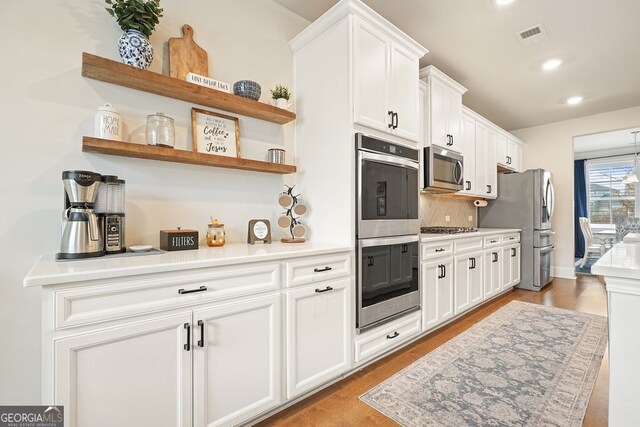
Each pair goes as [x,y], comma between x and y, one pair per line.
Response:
[503,2]
[552,64]
[574,100]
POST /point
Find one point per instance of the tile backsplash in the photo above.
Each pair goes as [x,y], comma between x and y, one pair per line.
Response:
[433,212]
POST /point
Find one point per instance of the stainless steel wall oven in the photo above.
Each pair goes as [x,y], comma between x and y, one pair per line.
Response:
[387,228]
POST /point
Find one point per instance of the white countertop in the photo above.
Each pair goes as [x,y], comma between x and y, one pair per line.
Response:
[623,260]
[425,238]
[49,272]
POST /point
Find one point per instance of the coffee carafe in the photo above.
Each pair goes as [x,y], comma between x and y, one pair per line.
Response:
[81,236]
[109,208]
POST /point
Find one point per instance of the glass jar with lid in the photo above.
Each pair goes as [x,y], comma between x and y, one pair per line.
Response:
[215,234]
[160,130]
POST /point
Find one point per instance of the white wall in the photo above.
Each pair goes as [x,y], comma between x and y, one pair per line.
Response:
[47,106]
[550,147]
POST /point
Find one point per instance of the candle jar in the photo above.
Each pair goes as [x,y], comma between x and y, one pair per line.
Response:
[160,130]
[215,234]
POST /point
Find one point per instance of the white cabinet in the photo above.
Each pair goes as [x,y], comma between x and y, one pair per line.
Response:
[443,110]
[468,136]
[508,152]
[317,334]
[486,172]
[437,292]
[386,337]
[468,281]
[133,374]
[236,360]
[385,82]
[510,266]
[492,272]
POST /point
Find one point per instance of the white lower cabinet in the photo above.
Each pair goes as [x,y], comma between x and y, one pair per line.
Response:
[386,337]
[510,266]
[468,281]
[134,374]
[236,350]
[437,292]
[492,272]
[318,338]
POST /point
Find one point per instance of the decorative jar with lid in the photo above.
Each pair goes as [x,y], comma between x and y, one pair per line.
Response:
[215,234]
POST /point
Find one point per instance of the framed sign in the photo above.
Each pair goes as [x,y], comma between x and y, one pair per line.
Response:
[215,133]
[259,231]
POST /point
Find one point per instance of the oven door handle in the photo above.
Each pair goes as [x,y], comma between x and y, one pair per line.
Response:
[388,160]
[384,241]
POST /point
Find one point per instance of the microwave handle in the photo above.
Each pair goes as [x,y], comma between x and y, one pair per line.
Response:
[458,172]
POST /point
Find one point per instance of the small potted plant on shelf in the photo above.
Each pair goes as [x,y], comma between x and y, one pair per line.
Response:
[138,19]
[281,95]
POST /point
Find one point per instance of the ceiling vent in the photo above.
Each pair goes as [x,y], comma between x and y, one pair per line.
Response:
[533,35]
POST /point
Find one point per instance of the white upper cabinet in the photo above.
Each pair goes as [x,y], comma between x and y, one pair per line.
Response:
[468,136]
[443,110]
[508,152]
[385,83]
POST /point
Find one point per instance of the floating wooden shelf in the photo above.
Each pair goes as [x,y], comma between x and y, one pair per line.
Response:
[125,75]
[139,151]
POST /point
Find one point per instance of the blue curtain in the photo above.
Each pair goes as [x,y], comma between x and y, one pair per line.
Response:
[580,204]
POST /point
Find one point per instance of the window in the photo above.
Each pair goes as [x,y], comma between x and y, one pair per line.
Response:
[610,200]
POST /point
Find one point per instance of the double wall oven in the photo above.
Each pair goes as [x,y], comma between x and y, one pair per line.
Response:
[387,227]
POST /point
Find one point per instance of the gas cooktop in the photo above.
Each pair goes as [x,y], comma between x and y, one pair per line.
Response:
[447,230]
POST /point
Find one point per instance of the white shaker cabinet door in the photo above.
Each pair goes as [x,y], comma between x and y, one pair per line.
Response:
[476,278]
[437,292]
[463,265]
[468,136]
[138,374]
[236,353]
[318,334]
[492,272]
[371,67]
[438,114]
[404,93]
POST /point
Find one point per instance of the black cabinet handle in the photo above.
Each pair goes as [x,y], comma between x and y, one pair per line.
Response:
[494,255]
[440,250]
[201,340]
[405,249]
[468,185]
[187,346]
[513,252]
[444,271]
[327,289]
[200,289]
[371,261]
[472,264]
[493,241]
[392,116]
[320,270]
[395,335]
[395,126]
[488,189]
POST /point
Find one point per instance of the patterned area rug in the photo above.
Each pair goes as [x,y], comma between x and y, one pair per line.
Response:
[524,365]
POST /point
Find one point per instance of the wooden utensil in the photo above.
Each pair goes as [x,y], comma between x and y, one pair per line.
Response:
[185,56]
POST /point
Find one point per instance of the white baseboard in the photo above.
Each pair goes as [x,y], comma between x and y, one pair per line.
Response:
[564,272]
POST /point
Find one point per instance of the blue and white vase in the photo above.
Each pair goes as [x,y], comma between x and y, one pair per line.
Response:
[135,49]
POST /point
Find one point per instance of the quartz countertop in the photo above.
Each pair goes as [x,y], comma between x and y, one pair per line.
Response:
[622,260]
[429,237]
[47,271]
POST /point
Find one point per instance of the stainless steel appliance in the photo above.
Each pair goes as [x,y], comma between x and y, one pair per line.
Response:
[387,188]
[81,236]
[109,208]
[525,200]
[447,230]
[443,170]
[387,227]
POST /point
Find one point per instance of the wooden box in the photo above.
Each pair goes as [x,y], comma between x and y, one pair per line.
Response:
[178,240]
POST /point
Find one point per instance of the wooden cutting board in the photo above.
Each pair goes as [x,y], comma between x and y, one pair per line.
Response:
[185,56]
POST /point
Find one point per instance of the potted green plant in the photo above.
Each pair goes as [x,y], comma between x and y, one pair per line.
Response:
[281,95]
[138,19]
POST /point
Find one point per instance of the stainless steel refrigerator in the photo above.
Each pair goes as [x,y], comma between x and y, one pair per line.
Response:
[525,200]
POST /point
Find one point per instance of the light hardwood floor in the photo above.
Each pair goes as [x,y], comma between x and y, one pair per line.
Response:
[338,405]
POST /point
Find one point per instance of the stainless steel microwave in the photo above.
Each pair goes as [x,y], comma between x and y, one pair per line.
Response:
[443,170]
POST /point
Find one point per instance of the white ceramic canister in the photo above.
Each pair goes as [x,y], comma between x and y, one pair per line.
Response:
[108,124]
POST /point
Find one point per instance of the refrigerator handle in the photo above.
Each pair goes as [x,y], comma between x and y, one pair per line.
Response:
[551,203]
